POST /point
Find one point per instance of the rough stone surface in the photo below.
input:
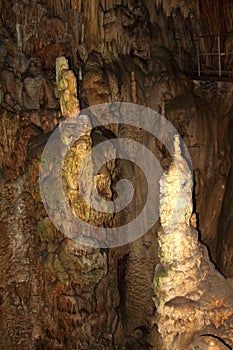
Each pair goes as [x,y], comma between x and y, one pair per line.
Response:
[51,296]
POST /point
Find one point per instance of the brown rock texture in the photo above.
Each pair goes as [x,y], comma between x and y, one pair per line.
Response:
[55,293]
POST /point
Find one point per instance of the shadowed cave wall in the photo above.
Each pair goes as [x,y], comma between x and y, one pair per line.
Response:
[55,294]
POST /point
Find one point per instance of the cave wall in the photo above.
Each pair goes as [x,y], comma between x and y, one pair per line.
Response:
[119,51]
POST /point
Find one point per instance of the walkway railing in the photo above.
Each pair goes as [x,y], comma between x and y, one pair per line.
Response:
[212,56]
[217,43]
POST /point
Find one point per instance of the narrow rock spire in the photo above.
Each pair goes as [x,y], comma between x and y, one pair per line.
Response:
[66,88]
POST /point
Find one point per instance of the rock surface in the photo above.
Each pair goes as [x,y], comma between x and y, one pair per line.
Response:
[53,293]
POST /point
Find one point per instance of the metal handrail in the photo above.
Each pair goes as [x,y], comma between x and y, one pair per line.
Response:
[219,53]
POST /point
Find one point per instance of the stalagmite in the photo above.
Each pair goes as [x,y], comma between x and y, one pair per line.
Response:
[82,33]
[67,88]
[54,294]
[192,297]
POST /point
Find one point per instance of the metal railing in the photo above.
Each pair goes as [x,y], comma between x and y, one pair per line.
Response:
[203,41]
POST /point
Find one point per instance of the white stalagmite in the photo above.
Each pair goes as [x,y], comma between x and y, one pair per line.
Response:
[189,290]
[176,191]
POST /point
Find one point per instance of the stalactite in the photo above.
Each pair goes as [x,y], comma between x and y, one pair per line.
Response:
[103,5]
[45,30]
[133,87]
[102,32]
[163,111]
[82,33]
[19,36]
[93,25]
[75,5]
[58,7]
[109,4]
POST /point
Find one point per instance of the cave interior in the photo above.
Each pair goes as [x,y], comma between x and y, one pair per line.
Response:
[171,287]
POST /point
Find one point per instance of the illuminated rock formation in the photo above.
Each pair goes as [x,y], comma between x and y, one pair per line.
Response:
[192,298]
[67,88]
[53,293]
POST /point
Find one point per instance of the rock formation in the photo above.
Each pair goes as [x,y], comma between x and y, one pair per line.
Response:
[55,293]
[194,301]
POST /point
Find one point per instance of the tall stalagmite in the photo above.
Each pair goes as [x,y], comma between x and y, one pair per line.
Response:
[192,298]
[55,293]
